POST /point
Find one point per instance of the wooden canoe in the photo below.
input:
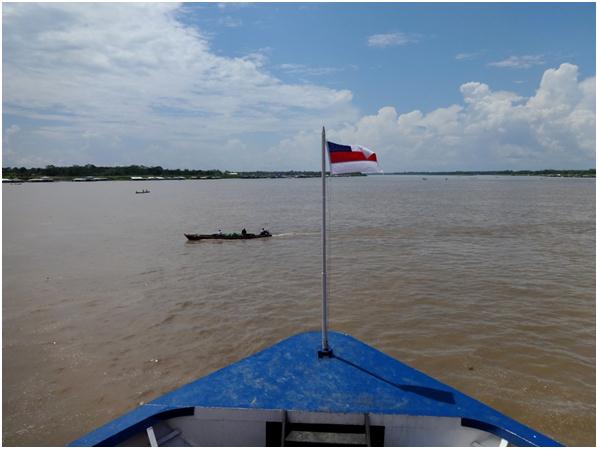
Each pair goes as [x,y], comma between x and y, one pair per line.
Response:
[226,236]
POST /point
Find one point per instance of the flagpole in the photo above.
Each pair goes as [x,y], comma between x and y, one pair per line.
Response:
[325,351]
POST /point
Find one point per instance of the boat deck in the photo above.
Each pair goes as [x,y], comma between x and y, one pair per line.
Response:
[357,380]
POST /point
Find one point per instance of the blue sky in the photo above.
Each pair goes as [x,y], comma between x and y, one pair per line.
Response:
[336,36]
[248,86]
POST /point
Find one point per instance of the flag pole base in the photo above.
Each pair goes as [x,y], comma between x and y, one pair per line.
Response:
[325,353]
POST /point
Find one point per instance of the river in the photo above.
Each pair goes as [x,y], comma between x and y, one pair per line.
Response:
[486,283]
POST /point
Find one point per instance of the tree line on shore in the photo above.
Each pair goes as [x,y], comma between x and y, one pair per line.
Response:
[125,172]
[590,173]
[105,172]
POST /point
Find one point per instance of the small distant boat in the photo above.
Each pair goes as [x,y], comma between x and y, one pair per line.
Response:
[143,191]
[42,179]
[233,236]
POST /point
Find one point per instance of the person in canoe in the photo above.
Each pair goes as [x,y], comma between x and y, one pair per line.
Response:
[244,232]
[264,232]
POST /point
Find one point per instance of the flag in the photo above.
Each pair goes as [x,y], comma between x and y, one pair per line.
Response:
[351,159]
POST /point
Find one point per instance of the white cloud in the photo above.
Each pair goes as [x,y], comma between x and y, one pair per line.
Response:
[519,62]
[462,56]
[232,5]
[490,130]
[128,83]
[11,131]
[304,70]
[229,21]
[134,72]
[468,56]
[8,138]
[392,39]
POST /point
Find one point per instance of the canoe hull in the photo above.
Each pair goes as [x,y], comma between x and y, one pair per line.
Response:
[225,237]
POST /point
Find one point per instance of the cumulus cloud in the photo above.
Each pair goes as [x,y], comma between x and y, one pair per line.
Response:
[130,83]
[519,62]
[392,39]
[89,74]
[489,130]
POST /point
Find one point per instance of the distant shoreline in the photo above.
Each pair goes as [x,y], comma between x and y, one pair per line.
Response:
[90,173]
[591,173]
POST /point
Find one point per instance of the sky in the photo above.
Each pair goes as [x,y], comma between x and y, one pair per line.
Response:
[248,86]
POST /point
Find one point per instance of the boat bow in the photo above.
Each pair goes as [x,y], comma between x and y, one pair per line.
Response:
[356,379]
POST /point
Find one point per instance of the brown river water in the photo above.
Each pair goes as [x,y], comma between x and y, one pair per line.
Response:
[486,283]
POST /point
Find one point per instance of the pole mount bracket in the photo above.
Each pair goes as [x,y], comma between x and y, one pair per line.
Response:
[325,353]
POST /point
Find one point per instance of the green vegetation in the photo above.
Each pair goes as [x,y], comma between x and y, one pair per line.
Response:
[126,172]
[591,173]
[76,171]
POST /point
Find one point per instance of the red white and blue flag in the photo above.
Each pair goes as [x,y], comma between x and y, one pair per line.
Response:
[352,159]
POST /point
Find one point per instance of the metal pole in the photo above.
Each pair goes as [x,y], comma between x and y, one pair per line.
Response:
[325,348]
